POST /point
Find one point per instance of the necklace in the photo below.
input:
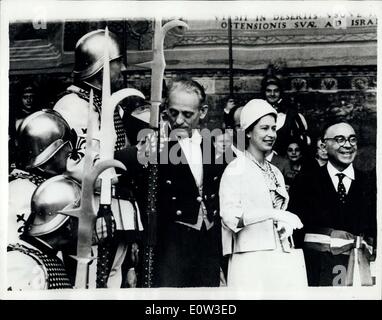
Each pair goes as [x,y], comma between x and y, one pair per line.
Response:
[266,170]
[263,167]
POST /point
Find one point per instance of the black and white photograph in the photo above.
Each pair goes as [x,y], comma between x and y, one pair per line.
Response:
[214,150]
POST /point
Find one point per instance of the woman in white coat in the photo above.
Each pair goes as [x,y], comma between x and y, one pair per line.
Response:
[257,229]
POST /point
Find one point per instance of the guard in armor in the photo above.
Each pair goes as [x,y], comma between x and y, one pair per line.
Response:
[32,262]
[74,107]
[44,140]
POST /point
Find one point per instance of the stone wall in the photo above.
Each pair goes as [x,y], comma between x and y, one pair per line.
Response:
[321,94]
[329,64]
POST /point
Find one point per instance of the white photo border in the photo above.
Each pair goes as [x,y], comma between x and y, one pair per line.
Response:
[12,11]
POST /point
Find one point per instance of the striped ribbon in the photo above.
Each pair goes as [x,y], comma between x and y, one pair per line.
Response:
[342,242]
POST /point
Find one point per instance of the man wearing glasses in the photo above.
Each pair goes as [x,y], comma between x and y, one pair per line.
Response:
[337,205]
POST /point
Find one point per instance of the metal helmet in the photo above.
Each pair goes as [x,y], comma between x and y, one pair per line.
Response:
[89,53]
[53,195]
[42,136]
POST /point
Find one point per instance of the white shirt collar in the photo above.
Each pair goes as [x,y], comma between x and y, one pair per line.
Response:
[236,151]
[193,153]
[348,172]
[269,157]
[196,138]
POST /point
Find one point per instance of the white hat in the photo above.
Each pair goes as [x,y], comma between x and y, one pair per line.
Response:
[253,111]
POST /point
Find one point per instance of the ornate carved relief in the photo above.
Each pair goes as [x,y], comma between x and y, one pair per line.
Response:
[329,84]
[298,84]
[141,32]
[373,83]
[203,39]
[359,83]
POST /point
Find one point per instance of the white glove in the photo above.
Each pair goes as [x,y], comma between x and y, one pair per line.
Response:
[291,219]
[284,229]
[131,278]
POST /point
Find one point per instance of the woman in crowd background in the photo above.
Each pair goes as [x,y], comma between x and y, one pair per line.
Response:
[295,162]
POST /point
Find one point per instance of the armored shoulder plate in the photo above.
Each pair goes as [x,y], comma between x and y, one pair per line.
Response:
[20,174]
[55,273]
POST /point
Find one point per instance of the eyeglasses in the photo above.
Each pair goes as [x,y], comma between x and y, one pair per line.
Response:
[341,140]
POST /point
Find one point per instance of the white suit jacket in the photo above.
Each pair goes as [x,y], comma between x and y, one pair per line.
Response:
[244,193]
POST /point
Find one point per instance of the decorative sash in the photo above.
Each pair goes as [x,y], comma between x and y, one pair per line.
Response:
[341,242]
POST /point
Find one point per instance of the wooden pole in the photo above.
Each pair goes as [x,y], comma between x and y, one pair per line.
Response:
[230,58]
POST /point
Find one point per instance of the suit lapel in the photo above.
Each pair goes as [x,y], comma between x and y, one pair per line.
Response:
[182,170]
[327,183]
[208,157]
[353,186]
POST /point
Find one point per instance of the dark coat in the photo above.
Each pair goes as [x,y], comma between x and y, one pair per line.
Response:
[314,199]
[179,198]
[185,257]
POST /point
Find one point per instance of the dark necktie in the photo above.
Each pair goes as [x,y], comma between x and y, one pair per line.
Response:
[341,188]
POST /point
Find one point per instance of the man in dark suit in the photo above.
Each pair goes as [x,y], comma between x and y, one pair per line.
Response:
[337,205]
[189,230]
[189,247]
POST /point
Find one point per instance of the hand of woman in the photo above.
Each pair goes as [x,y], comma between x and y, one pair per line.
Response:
[284,229]
[291,219]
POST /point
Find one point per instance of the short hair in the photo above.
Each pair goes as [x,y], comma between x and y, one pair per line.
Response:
[230,120]
[26,87]
[332,123]
[316,139]
[267,80]
[188,85]
[296,141]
